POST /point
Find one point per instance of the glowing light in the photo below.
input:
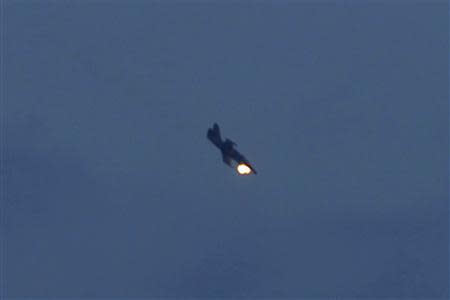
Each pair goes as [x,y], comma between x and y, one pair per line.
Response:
[243,169]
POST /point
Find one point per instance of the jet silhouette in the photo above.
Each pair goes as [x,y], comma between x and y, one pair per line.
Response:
[227,149]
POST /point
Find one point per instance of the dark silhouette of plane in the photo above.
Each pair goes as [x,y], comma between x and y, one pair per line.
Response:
[228,152]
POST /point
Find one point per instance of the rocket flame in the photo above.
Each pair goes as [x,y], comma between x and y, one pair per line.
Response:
[243,169]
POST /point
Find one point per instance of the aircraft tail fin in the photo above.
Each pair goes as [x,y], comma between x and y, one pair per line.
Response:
[214,135]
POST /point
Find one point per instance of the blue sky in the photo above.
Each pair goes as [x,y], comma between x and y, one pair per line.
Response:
[113,190]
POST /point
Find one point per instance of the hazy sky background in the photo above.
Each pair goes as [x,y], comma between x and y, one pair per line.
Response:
[112,188]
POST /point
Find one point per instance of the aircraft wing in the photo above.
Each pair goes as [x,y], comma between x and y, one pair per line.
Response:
[226,159]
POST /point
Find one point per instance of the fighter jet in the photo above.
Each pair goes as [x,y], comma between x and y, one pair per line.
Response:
[230,154]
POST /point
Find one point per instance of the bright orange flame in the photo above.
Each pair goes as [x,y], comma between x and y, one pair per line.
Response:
[243,169]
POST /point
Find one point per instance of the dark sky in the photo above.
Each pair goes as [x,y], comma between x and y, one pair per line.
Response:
[111,188]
